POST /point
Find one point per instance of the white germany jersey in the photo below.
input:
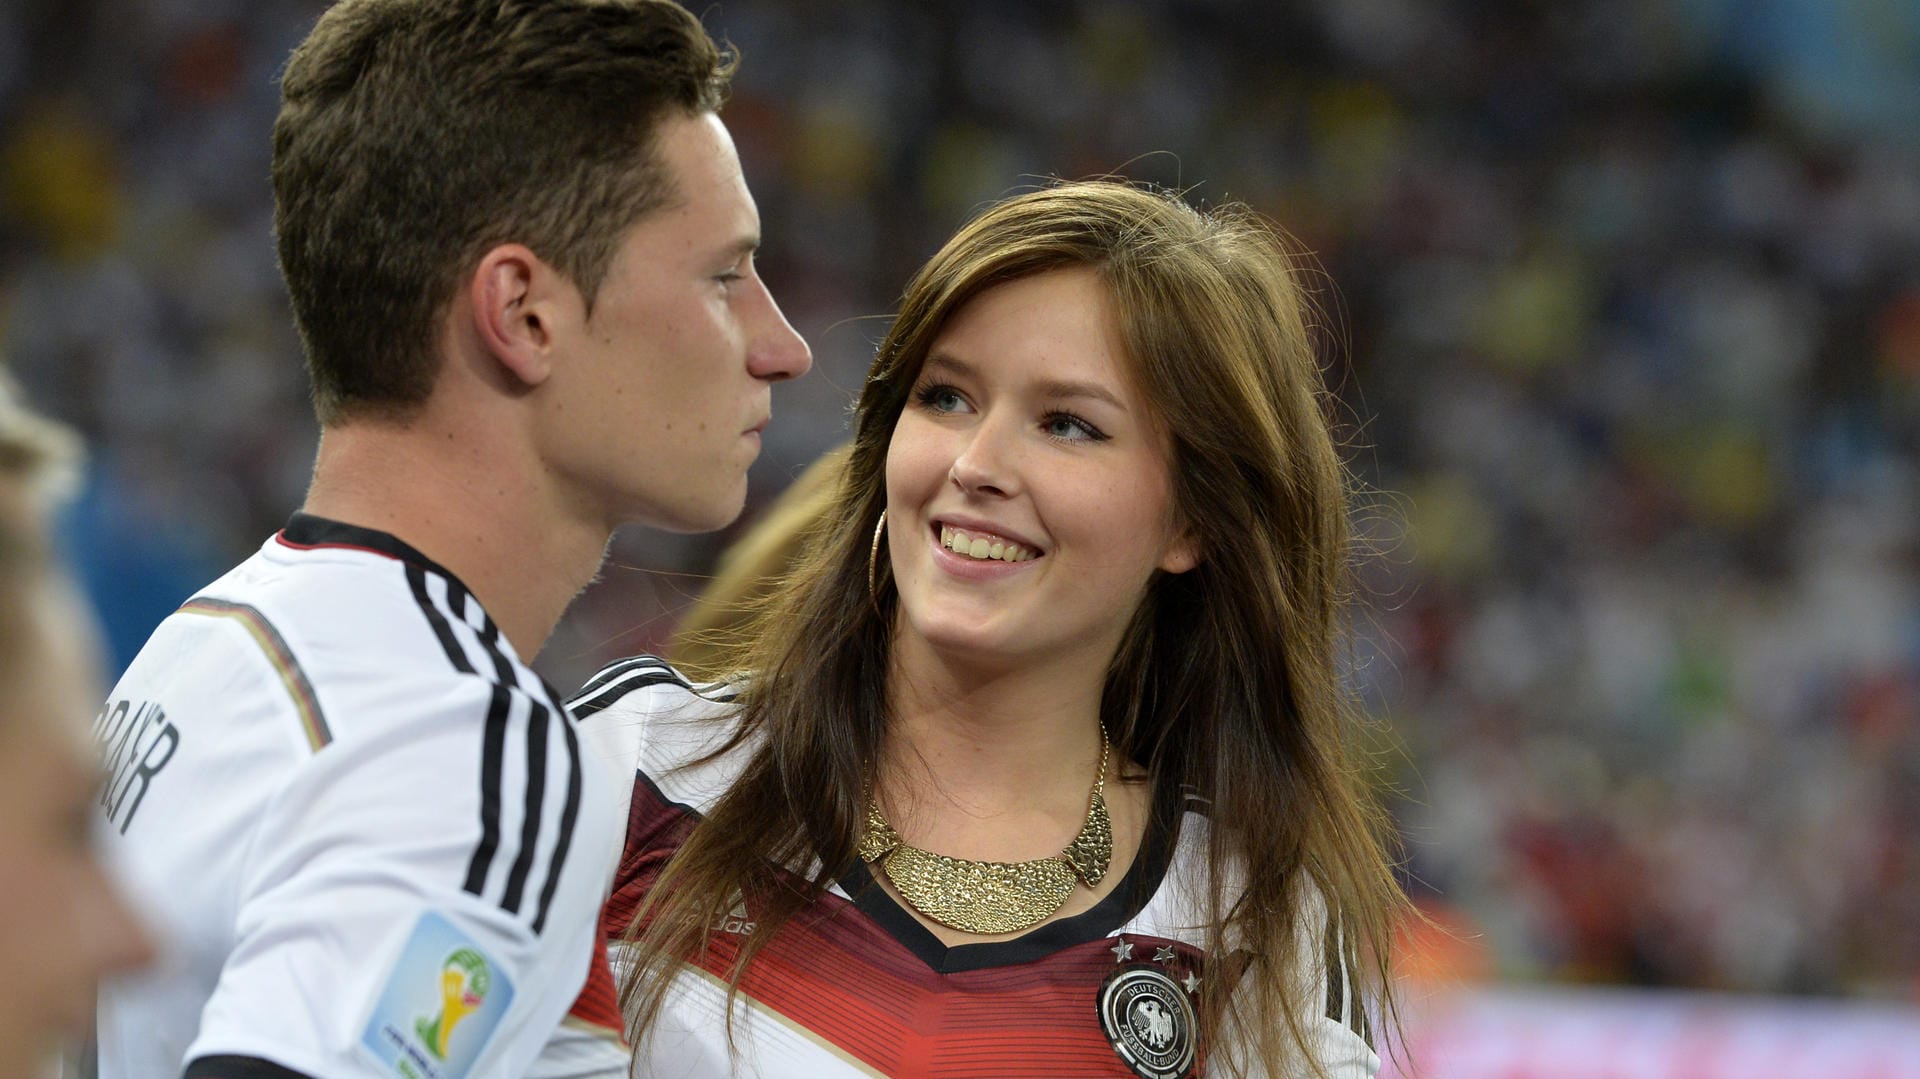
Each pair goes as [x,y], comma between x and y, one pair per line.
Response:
[855,986]
[362,829]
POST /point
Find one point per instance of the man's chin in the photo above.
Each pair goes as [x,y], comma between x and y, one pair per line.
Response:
[695,518]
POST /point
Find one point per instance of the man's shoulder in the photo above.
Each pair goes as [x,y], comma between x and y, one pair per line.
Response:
[342,600]
[340,636]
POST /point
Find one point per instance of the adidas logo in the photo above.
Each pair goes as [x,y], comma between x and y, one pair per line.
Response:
[735,921]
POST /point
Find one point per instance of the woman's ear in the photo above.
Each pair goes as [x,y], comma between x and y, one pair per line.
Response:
[1183,552]
[516,300]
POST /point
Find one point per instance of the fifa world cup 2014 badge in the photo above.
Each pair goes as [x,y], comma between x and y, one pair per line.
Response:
[1150,1021]
[442,1001]
[464,981]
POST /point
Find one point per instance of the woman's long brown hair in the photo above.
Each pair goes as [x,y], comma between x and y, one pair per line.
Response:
[1225,686]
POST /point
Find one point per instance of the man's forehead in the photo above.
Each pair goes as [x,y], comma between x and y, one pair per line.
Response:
[709,188]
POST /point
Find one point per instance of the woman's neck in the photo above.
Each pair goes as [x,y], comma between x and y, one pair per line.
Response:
[989,739]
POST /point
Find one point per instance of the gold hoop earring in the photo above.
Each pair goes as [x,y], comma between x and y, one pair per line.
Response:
[873,558]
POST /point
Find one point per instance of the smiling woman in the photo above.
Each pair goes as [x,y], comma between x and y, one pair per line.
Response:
[1027,430]
[1041,764]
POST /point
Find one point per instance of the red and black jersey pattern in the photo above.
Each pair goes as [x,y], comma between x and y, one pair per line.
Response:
[860,973]
[856,985]
[598,1005]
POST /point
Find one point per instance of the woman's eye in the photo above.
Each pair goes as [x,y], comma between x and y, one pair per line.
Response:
[1070,428]
[939,398]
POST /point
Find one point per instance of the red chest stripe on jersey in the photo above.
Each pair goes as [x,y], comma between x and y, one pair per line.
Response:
[838,974]
[598,1005]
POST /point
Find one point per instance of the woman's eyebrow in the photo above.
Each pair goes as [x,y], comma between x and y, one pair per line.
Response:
[1055,389]
[1051,389]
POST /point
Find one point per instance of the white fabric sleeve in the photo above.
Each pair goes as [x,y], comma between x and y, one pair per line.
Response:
[395,916]
[1333,1041]
[575,1052]
[1333,1017]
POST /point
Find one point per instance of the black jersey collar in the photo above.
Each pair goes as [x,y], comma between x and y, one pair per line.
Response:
[1143,879]
[309,530]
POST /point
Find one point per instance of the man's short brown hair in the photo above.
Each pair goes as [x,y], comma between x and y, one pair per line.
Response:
[414,135]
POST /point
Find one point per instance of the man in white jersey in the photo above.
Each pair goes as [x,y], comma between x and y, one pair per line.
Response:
[519,249]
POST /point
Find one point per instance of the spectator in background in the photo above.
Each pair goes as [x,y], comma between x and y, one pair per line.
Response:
[62,925]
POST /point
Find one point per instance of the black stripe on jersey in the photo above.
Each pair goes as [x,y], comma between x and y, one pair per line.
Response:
[1336,977]
[417,580]
[489,636]
[617,668]
[536,791]
[493,755]
[230,1067]
[457,609]
[1342,1005]
[536,797]
[569,813]
[625,676]
[493,749]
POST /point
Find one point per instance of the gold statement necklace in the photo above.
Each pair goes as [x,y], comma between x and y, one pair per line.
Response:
[992,897]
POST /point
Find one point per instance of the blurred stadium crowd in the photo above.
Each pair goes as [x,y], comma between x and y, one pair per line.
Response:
[1622,298]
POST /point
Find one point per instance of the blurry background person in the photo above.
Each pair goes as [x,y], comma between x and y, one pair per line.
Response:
[62,926]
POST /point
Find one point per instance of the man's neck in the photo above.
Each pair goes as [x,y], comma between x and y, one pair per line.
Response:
[468,505]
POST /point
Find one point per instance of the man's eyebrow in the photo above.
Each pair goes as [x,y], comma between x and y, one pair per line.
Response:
[1049,389]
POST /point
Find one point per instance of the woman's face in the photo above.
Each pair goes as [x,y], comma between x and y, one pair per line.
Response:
[1029,497]
[62,926]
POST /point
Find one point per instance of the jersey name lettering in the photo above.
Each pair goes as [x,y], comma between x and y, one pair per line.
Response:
[137,741]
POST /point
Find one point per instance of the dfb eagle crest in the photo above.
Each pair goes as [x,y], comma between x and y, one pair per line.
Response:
[1149,1020]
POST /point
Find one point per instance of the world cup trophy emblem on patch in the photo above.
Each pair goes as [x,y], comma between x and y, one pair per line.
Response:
[441,1002]
[1150,1022]
[464,982]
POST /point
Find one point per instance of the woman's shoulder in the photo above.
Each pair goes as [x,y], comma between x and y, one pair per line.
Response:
[640,686]
[643,714]
[1182,907]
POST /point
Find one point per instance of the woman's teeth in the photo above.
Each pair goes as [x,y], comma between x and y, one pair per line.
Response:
[982,546]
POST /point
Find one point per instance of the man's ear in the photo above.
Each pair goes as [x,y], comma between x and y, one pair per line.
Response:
[517,302]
